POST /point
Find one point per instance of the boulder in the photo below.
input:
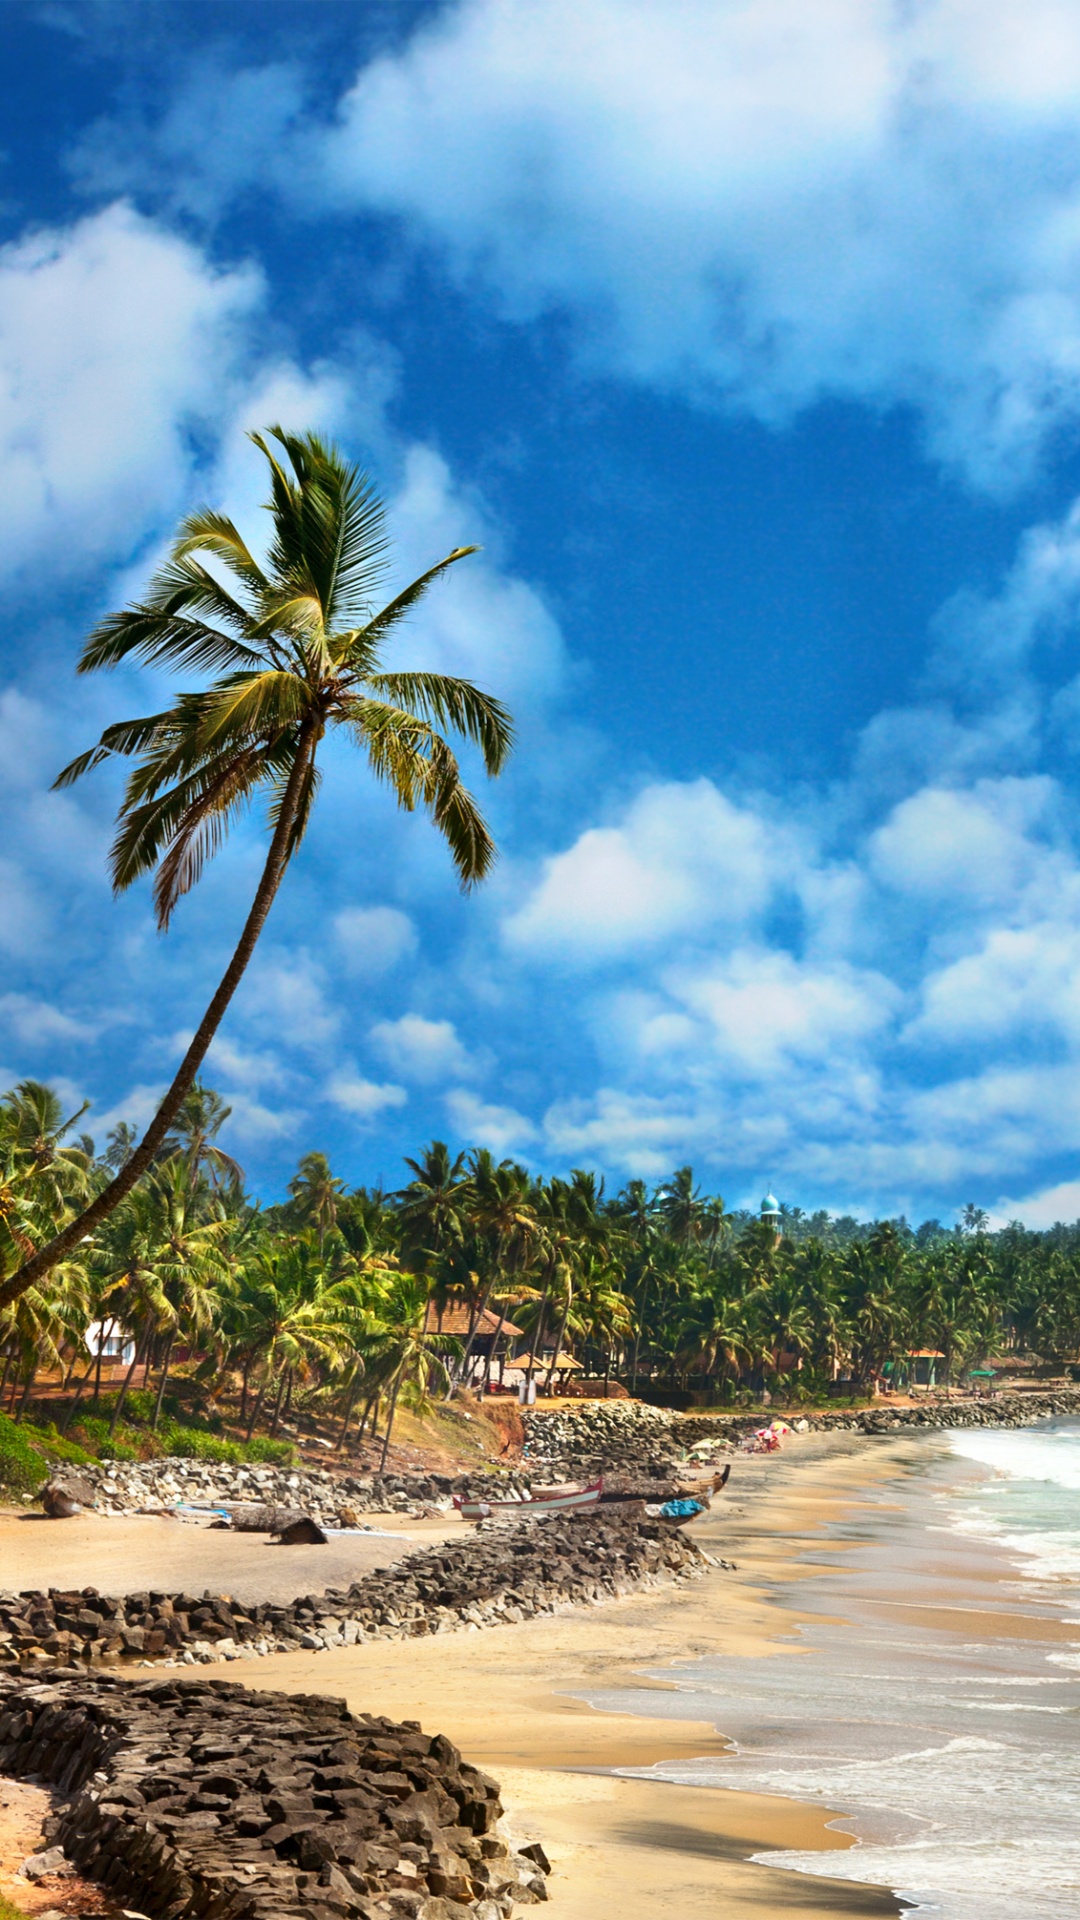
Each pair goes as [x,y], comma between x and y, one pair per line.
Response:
[304,1532]
[65,1495]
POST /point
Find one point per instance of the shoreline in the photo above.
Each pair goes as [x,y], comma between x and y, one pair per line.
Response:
[574,1775]
[512,1700]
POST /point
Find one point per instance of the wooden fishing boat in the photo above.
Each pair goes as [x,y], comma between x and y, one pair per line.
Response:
[544,1500]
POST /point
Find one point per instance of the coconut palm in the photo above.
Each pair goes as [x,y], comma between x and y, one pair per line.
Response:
[193,1135]
[315,1194]
[295,645]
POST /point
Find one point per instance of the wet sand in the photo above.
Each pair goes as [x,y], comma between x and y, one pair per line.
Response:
[630,1847]
[633,1847]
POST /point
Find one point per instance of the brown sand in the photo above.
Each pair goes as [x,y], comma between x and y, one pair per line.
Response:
[631,1848]
[627,1847]
[136,1552]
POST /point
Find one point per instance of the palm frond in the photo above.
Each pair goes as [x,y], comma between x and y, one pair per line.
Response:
[125,737]
[456,704]
[206,531]
[365,642]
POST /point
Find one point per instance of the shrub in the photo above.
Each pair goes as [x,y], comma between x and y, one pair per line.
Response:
[22,1467]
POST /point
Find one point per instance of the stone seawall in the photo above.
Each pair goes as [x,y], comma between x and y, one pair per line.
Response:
[198,1800]
[503,1571]
[333,1498]
[620,1435]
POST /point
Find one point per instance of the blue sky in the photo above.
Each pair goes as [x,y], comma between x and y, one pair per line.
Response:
[745,338]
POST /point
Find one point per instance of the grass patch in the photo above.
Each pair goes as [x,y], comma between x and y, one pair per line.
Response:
[22,1467]
[8,1912]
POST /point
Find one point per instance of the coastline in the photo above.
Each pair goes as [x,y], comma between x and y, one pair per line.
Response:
[509,1699]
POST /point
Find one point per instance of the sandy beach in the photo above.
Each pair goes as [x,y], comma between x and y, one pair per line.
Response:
[505,1695]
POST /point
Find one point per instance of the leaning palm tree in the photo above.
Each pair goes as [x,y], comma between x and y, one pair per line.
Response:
[295,645]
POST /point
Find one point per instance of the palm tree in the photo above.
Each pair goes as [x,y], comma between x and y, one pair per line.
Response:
[297,651]
[194,1133]
[315,1194]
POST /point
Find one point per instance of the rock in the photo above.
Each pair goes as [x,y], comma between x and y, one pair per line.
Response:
[53,1860]
[145,1805]
[301,1533]
[63,1496]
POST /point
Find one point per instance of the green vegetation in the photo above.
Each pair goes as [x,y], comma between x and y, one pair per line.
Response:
[298,652]
[355,1305]
[233,1317]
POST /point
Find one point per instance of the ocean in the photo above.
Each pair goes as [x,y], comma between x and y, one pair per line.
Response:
[933,1695]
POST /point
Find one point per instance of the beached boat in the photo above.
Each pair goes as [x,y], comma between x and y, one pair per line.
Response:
[544,1500]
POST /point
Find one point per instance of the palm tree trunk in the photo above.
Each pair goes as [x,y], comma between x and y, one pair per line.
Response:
[166,1357]
[79,1391]
[123,1393]
[47,1257]
[106,1330]
[537,1333]
[350,1403]
[390,1423]
[9,1354]
[30,1378]
[559,1338]
[467,1355]
[257,1408]
[637,1334]
[493,1349]
[277,1403]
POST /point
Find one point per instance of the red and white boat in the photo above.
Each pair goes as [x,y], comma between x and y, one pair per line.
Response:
[544,1500]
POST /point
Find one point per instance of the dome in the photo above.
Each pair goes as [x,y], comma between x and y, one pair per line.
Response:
[770,1204]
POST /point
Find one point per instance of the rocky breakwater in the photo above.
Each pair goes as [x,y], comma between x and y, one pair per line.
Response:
[607,1436]
[198,1800]
[502,1571]
[1020,1409]
[620,1438]
[333,1499]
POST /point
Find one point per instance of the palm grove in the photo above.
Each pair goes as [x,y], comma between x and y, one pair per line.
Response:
[333,1299]
[342,1295]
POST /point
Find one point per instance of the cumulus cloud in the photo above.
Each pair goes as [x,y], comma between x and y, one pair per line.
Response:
[971,847]
[34,1023]
[481,621]
[756,203]
[363,1099]
[420,1049]
[484,1123]
[681,858]
[115,337]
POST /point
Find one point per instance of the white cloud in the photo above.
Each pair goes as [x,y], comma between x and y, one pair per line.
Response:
[115,337]
[768,203]
[761,1008]
[372,940]
[421,1049]
[478,620]
[1022,983]
[682,858]
[971,847]
[241,1066]
[636,1132]
[484,1124]
[286,990]
[1041,1209]
[250,1120]
[35,1022]
[364,1099]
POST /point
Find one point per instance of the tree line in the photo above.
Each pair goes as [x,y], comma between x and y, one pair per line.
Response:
[337,1298]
